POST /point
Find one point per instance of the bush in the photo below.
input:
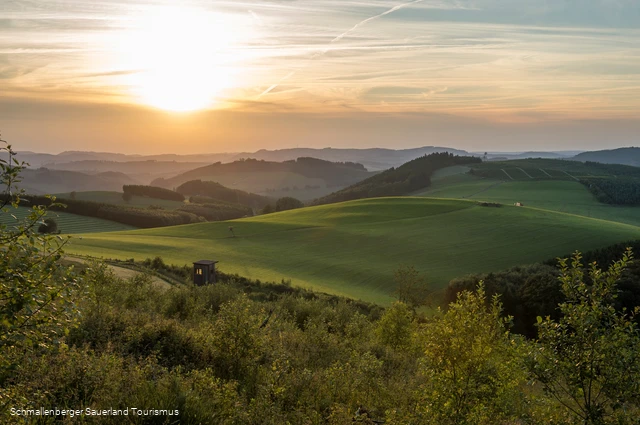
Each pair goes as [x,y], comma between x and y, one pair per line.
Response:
[49,225]
[288,203]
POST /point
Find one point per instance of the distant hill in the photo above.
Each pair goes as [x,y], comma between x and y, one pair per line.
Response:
[505,156]
[303,178]
[624,156]
[143,171]
[44,181]
[374,159]
[412,176]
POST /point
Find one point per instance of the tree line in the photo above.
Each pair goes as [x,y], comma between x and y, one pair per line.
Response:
[219,192]
[530,291]
[616,191]
[152,192]
[137,217]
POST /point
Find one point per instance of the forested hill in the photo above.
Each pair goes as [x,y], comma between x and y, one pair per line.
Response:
[333,173]
[624,156]
[218,192]
[407,178]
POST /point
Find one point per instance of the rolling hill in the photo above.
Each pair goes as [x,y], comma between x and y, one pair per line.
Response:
[411,176]
[141,171]
[562,192]
[302,178]
[352,248]
[375,159]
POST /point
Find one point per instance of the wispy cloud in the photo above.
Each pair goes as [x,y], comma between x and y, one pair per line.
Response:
[479,58]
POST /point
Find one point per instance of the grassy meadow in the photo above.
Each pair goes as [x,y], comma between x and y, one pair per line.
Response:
[67,223]
[562,195]
[352,248]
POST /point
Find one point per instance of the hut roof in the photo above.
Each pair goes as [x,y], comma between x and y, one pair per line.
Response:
[205,262]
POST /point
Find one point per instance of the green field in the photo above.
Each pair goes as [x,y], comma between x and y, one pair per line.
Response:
[67,223]
[563,195]
[550,169]
[116,198]
[352,248]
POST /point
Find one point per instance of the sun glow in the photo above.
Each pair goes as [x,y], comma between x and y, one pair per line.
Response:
[183,57]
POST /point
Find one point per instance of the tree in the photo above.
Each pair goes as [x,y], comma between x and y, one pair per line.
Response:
[288,203]
[411,287]
[127,197]
[268,209]
[472,365]
[395,327]
[588,359]
[49,225]
[37,294]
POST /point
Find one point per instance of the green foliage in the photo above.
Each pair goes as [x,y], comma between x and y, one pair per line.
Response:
[37,294]
[526,292]
[268,209]
[288,203]
[473,363]
[411,287]
[588,359]
[49,225]
[395,328]
[616,191]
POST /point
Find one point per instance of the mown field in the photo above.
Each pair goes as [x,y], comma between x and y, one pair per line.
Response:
[352,248]
[563,194]
[67,223]
[550,169]
[116,199]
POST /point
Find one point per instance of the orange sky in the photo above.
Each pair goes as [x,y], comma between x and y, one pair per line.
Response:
[151,76]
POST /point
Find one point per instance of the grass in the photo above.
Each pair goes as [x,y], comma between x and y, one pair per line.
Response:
[352,248]
[563,195]
[67,223]
[116,198]
[550,169]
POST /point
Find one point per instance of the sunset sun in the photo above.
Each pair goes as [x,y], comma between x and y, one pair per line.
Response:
[182,57]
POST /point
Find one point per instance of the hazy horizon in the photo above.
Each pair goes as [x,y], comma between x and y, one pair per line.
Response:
[162,76]
[143,154]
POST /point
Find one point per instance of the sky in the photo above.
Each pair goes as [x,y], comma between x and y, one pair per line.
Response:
[189,76]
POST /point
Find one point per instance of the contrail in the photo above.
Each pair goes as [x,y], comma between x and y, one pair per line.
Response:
[338,38]
[256,17]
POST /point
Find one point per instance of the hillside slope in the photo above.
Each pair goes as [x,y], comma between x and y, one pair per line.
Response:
[625,156]
[353,248]
[409,177]
[44,181]
[303,178]
[560,193]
